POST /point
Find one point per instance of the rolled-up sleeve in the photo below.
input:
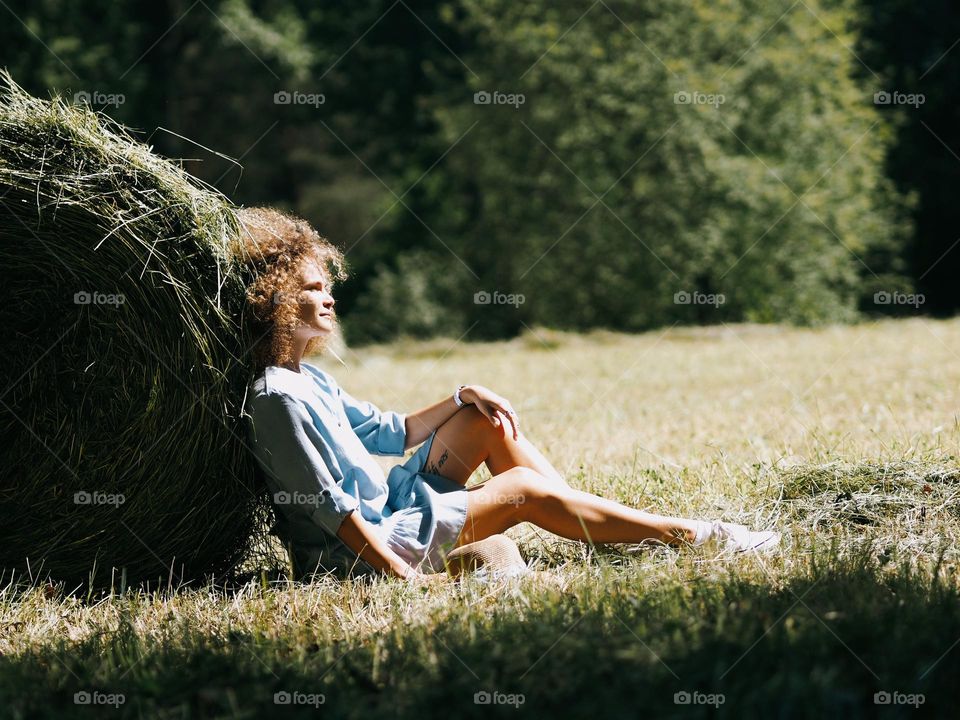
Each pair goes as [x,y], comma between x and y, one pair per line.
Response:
[381,432]
[300,481]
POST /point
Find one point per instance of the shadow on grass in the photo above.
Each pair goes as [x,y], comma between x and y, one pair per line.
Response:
[822,643]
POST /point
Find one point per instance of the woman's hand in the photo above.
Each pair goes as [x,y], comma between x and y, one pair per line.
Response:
[496,408]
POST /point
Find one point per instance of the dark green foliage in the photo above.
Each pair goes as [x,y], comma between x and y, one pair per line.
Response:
[604,195]
[400,167]
[912,48]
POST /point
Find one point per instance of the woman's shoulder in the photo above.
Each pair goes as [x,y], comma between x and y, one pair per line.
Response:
[325,379]
[276,381]
[303,385]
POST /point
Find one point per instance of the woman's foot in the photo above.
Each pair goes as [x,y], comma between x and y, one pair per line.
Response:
[734,538]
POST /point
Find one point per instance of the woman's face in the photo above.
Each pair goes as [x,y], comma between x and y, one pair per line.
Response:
[315,302]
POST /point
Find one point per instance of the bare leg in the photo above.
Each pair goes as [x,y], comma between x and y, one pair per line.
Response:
[525,487]
[469,438]
[521,495]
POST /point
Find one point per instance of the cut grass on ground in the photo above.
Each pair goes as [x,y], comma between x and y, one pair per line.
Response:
[846,439]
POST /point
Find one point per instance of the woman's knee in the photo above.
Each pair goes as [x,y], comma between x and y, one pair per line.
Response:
[479,424]
[524,489]
[472,416]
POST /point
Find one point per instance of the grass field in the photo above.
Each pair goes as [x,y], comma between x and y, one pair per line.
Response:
[845,438]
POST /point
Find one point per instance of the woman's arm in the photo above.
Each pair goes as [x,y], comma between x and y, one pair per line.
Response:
[420,424]
[356,534]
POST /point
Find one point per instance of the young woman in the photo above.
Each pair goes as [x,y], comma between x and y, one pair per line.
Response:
[313,440]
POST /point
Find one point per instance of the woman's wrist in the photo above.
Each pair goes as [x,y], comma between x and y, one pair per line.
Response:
[467,396]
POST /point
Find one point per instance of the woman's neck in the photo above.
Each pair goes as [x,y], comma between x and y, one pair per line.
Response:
[290,365]
[292,361]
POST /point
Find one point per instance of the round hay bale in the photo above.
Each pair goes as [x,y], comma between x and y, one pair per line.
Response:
[122,369]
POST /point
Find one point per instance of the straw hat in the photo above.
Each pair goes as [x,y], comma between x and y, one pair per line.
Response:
[495,556]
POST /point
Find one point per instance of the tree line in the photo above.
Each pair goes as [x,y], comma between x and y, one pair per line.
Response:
[489,166]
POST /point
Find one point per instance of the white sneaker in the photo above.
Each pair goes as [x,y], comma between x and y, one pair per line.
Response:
[733,538]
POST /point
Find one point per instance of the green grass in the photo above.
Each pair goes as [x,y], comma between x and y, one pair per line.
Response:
[844,438]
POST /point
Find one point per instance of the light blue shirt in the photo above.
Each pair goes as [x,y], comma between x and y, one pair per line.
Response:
[313,441]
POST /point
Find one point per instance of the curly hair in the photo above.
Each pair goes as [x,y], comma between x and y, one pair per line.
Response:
[277,246]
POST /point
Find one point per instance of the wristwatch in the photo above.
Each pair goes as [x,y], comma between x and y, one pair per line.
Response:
[456,396]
